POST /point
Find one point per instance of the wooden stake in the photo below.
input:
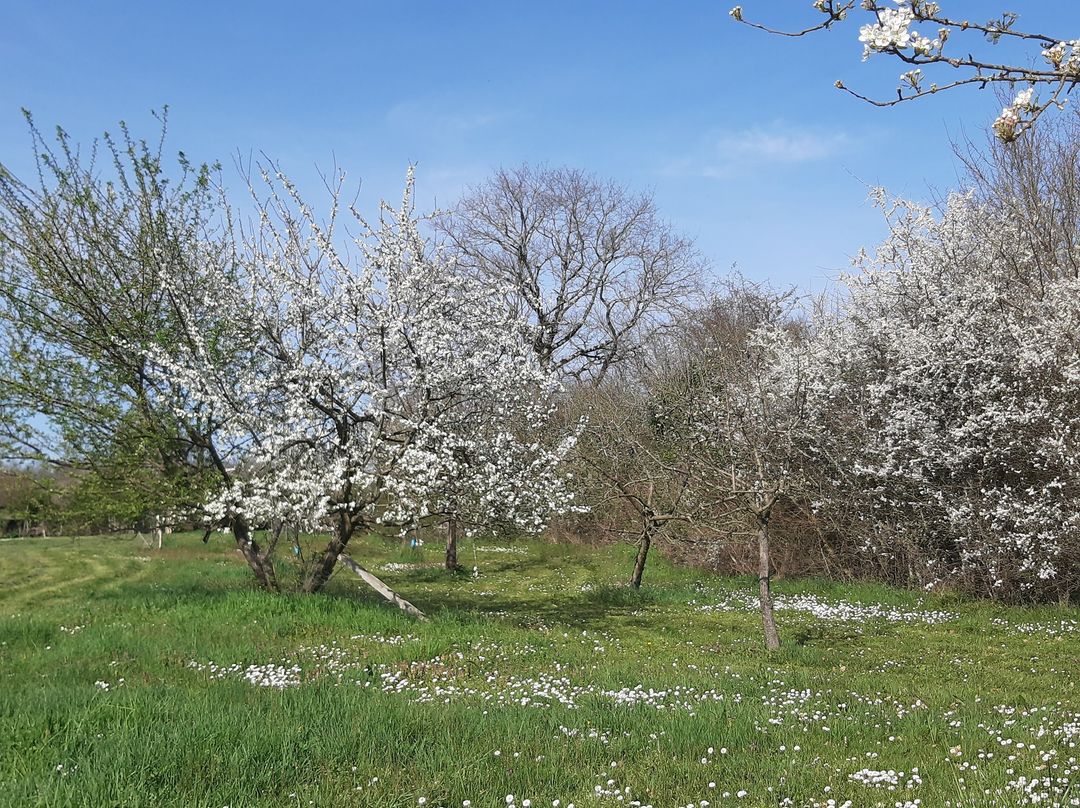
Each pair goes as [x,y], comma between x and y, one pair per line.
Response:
[382,588]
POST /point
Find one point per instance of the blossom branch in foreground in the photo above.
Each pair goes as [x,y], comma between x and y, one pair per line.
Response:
[918,34]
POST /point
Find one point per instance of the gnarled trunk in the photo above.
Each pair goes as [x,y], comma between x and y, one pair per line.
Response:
[452,529]
[768,619]
[259,563]
[644,543]
[324,566]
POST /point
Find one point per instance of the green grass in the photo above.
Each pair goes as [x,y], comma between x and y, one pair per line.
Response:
[552,622]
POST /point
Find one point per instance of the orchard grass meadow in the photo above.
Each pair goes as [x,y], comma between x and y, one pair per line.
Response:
[131,676]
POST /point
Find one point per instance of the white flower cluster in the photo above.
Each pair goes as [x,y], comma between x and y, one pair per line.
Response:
[379,391]
[949,378]
[892,31]
[838,611]
[1065,57]
[887,779]
[275,676]
[1009,123]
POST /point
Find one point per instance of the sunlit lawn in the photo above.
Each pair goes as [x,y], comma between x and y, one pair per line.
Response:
[130,676]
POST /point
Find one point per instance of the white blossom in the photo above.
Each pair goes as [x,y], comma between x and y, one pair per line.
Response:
[367,389]
[954,362]
[892,30]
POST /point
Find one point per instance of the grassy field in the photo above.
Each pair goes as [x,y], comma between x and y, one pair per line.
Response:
[138,677]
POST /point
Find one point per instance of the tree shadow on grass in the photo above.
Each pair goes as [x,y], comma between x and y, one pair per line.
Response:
[818,634]
[521,590]
[592,607]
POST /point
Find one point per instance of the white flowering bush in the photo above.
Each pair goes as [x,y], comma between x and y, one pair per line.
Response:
[363,386]
[947,400]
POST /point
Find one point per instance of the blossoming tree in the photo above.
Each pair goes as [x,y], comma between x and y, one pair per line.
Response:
[955,364]
[352,382]
[750,423]
[920,35]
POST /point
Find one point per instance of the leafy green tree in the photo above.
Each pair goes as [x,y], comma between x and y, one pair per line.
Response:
[83,251]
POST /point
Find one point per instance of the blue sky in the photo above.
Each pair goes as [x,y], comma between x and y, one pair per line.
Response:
[741,136]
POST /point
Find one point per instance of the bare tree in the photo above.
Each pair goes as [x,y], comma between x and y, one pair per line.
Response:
[630,460]
[593,267]
[918,34]
[1034,181]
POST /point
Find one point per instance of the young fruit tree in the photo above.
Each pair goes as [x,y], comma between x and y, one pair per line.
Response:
[488,437]
[347,408]
[751,421]
[592,268]
[629,459]
[929,42]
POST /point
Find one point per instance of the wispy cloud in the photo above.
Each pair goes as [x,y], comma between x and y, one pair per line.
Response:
[428,116]
[726,153]
[792,146]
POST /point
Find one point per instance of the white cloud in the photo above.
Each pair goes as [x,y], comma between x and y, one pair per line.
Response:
[792,146]
[427,116]
[726,153]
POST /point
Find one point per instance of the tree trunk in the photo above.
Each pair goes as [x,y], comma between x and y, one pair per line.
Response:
[382,588]
[324,566]
[642,553]
[451,544]
[249,548]
[772,636]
